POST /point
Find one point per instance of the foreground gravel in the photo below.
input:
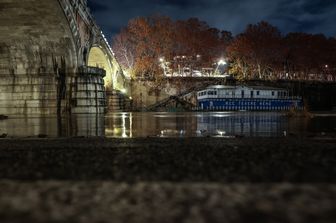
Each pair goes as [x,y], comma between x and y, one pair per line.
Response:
[167,180]
[89,202]
[174,160]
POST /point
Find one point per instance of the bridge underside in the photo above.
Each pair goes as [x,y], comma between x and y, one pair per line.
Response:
[113,79]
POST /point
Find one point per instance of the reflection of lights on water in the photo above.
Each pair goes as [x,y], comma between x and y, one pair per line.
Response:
[201,132]
[221,116]
[122,125]
[131,125]
[172,133]
[221,132]
[124,135]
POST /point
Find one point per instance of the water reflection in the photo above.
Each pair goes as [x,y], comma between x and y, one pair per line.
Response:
[119,125]
[129,125]
[76,125]
[249,124]
[245,124]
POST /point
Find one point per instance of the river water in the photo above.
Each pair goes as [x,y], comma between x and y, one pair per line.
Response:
[128,125]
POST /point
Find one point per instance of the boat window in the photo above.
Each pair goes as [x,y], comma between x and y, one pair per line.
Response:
[258,93]
[273,93]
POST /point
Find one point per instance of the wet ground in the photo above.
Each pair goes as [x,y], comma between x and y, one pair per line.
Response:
[288,179]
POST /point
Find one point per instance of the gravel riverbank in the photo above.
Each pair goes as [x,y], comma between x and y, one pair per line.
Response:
[168,180]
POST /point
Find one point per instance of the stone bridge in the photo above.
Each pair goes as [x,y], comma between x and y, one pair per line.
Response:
[55,59]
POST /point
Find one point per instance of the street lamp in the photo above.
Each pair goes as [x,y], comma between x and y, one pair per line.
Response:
[221,62]
[163,65]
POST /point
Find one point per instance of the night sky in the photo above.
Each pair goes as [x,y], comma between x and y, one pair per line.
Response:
[312,16]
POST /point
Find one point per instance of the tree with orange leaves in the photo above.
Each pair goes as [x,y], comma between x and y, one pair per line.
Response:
[258,52]
[147,39]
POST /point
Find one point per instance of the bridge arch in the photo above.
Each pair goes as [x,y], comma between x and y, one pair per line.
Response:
[100,57]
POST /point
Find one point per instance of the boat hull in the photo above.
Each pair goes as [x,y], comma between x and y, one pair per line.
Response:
[238,104]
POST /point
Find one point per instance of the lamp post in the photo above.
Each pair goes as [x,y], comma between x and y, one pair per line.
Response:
[221,62]
[163,65]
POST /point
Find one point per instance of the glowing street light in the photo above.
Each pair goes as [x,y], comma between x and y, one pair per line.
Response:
[163,65]
[221,62]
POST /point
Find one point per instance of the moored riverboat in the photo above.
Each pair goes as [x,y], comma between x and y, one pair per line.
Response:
[247,98]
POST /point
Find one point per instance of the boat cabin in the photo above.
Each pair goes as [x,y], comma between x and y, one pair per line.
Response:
[249,98]
[250,92]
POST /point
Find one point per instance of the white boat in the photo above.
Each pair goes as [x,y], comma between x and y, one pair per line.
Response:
[247,98]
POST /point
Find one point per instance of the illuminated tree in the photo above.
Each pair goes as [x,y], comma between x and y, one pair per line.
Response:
[123,48]
[147,39]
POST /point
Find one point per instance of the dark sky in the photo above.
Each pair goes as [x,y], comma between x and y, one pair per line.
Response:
[312,16]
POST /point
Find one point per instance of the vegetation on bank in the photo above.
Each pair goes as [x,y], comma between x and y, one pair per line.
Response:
[150,46]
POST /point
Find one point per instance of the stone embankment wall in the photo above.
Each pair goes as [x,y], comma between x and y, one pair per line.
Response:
[117,101]
[143,96]
[147,93]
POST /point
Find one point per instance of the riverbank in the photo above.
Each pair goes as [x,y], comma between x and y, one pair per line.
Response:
[290,159]
[142,180]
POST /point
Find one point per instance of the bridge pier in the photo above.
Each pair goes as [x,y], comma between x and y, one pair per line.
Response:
[83,93]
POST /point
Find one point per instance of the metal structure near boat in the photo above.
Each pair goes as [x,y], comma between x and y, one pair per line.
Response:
[249,98]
